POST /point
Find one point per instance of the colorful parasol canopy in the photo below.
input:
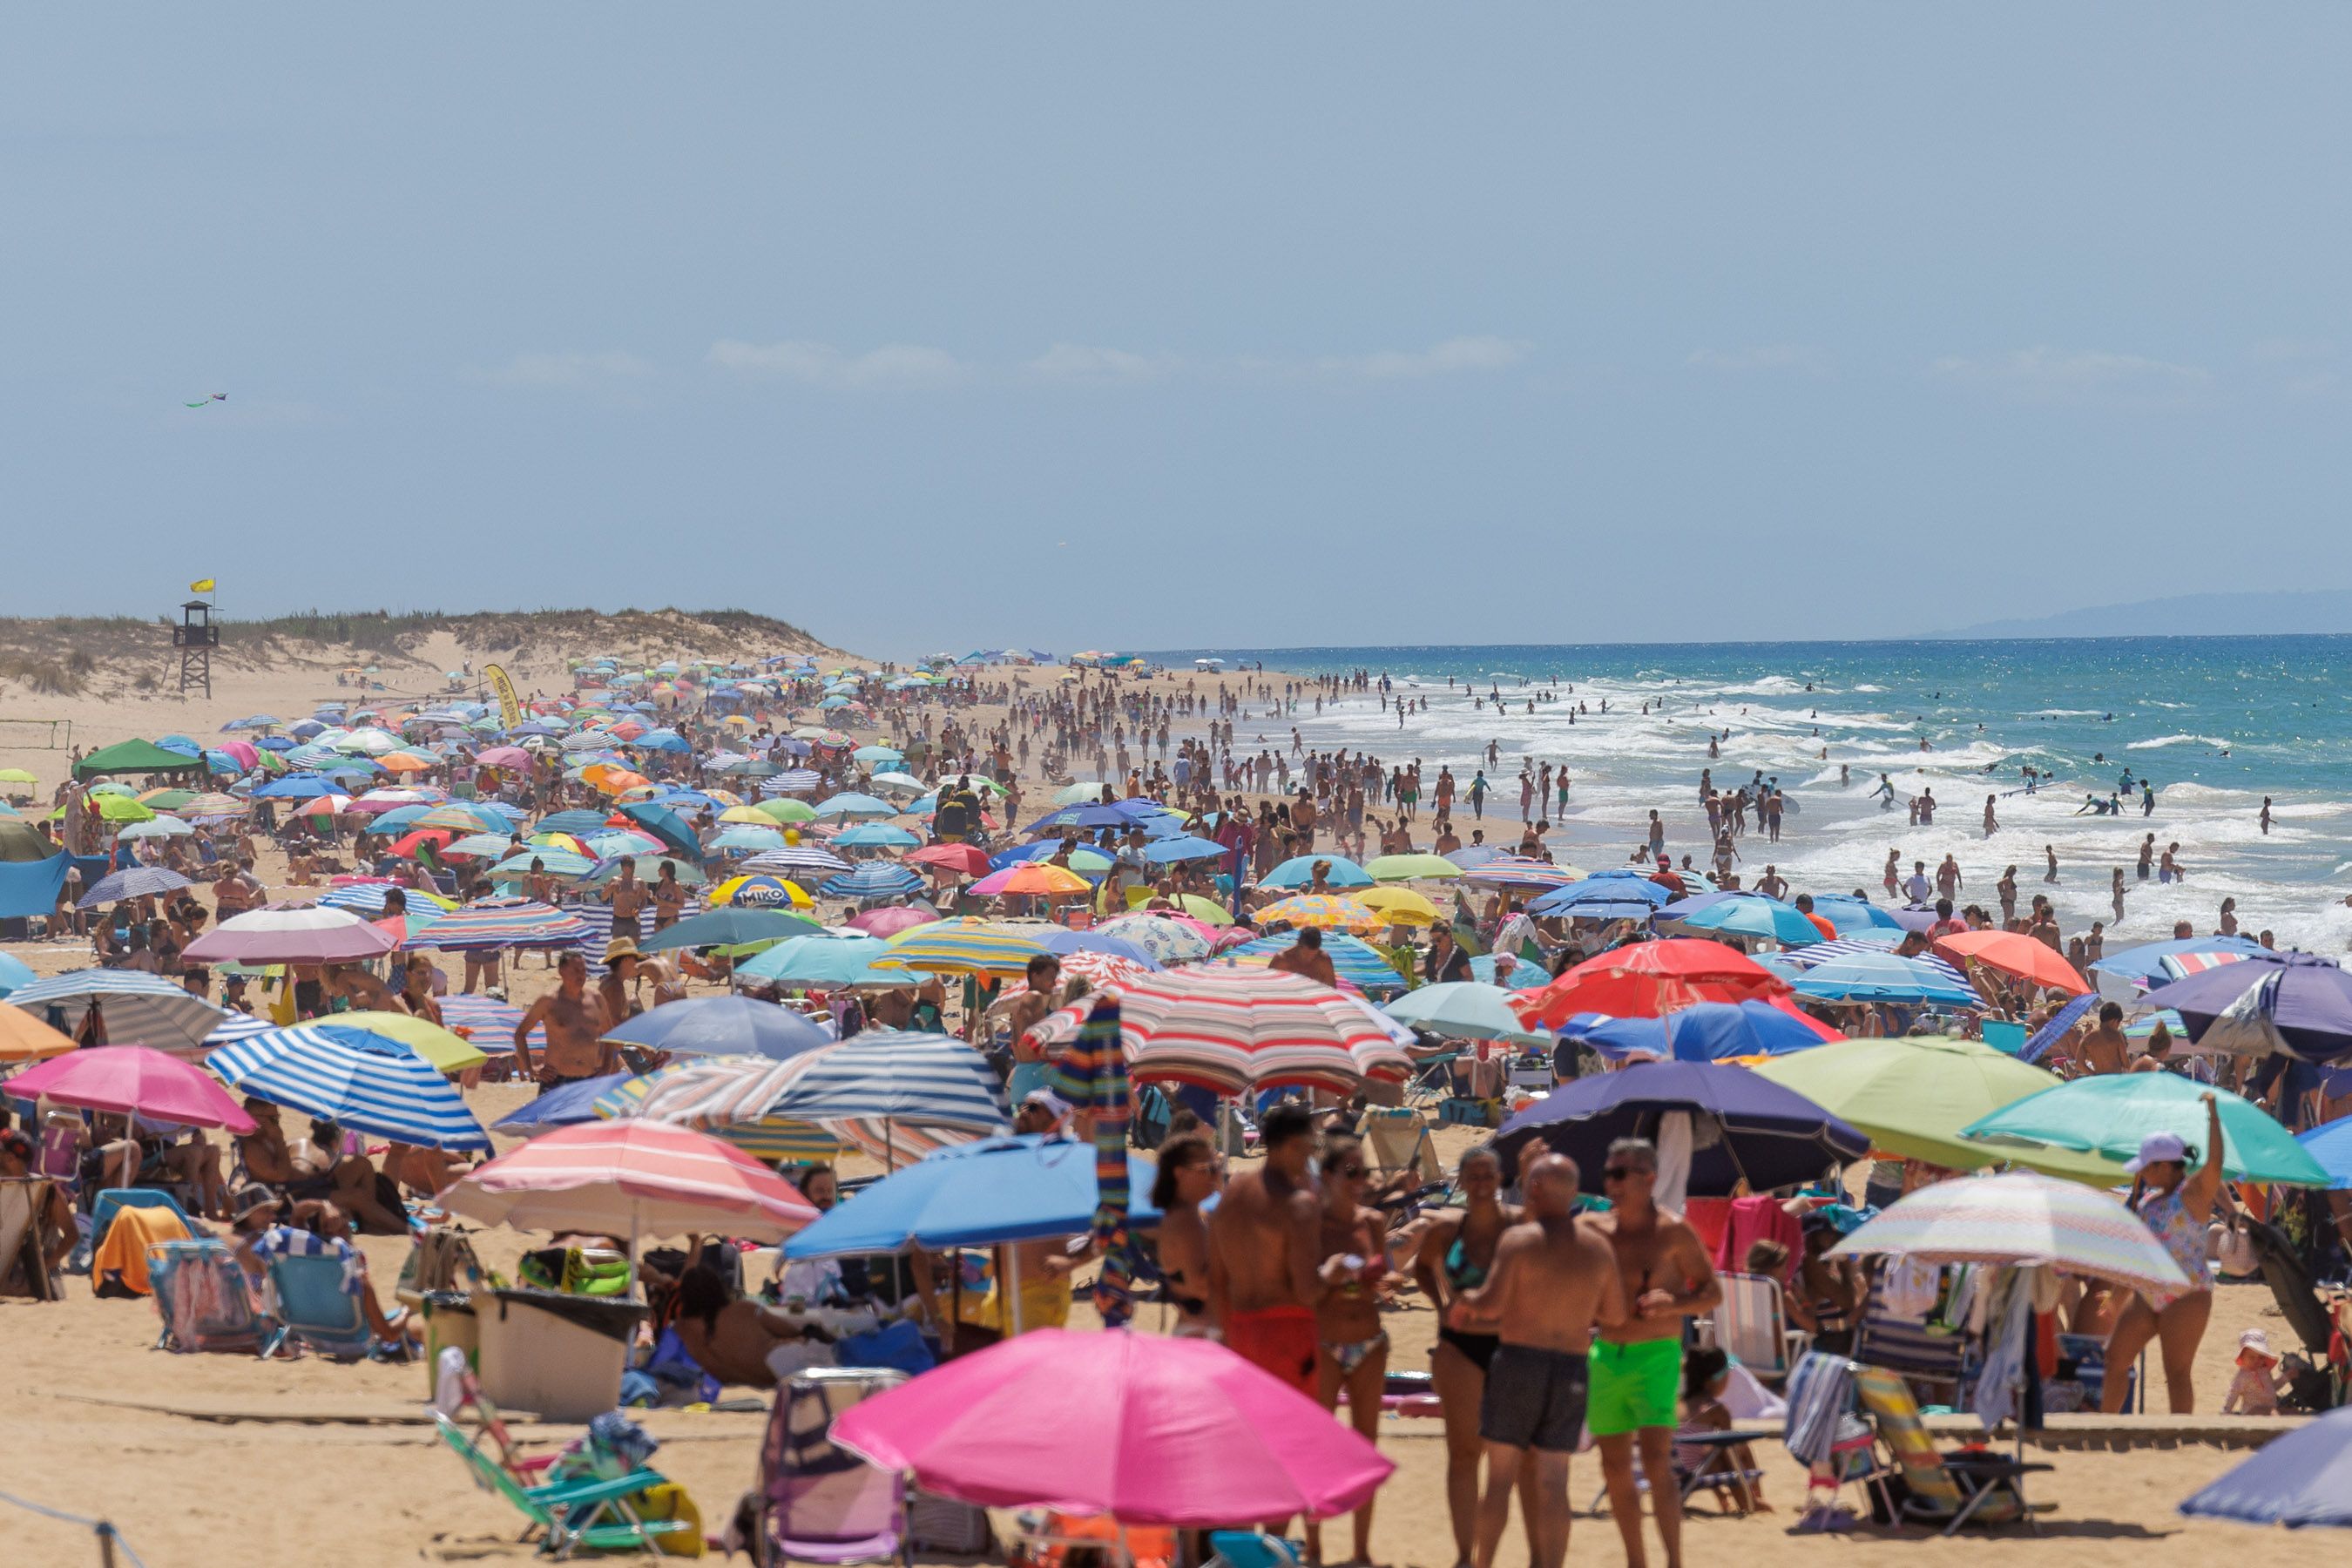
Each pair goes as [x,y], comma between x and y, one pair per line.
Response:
[2020,1218]
[135,1081]
[631,1177]
[1648,979]
[2013,953]
[292,934]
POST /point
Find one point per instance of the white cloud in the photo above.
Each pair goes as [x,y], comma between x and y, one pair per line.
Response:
[2078,375]
[596,372]
[1454,356]
[1801,357]
[1089,364]
[893,365]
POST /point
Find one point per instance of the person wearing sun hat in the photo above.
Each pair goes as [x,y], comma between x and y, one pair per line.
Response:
[2256,1390]
[2173,1192]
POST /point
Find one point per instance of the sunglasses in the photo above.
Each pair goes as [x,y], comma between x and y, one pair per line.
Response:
[1353,1173]
[1620,1173]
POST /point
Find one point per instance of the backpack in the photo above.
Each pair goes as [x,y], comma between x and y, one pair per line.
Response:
[199,1294]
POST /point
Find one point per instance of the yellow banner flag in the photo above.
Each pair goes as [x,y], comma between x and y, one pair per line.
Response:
[201,585]
[510,708]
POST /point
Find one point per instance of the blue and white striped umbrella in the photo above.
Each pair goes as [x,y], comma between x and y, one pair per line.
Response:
[137,1009]
[356,1079]
[793,781]
[239,1026]
[875,880]
[797,858]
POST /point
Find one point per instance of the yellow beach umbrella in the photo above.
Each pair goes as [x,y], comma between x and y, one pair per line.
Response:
[1402,906]
[447,1052]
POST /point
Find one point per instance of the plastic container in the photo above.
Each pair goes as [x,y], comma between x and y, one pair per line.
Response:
[556,1355]
[449,1319]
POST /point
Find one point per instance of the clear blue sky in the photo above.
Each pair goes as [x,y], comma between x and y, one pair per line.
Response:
[953,325]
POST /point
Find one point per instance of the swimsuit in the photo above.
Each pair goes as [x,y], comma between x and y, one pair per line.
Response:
[1279,1339]
[2167,1217]
[1535,1398]
[1461,1275]
[1634,1386]
[1350,1354]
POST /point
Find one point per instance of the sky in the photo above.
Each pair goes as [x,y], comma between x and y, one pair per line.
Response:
[934,327]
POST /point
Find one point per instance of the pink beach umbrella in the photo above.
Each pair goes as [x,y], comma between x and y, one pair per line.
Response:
[890,922]
[504,757]
[1149,1430]
[291,934]
[134,1080]
[631,1177]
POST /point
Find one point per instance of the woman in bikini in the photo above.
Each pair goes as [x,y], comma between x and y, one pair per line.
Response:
[1455,1252]
[2174,1196]
[1353,1351]
[1188,1175]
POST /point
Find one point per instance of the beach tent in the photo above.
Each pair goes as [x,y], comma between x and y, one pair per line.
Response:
[136,757]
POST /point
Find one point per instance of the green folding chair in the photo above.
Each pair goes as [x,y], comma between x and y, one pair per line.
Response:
[570,1515]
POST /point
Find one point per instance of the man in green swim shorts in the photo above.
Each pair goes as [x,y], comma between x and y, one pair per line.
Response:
[1637,1365]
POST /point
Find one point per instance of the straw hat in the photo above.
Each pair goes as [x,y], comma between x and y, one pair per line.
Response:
[621,947]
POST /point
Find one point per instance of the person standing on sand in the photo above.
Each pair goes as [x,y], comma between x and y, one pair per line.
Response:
[628,898]
[1552,1282]
[1637,1364]
[575,1029]
[1263,1245]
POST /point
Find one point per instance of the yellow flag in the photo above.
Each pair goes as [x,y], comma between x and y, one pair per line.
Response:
[509,710]
[201,585]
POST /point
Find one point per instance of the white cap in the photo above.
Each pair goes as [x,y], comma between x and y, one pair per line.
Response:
[2156,1149]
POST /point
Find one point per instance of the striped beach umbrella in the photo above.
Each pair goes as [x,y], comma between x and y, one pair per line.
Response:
[503,923]
[771,1139]
[366,898]
[133,1009]
[487,1021]
[959,947]
[797,860]
[633,1177]
[2022,1218]
[1232,1030]
[1352,959]
[354,1076]
[1517,871]
[297,934]
[875,880]
[1324,912]
[893,1094]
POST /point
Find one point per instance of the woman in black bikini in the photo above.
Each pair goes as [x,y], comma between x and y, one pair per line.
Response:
[1188,1174]
[1455,1252]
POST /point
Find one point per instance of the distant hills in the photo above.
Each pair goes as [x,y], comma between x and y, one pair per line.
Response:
[2324,612]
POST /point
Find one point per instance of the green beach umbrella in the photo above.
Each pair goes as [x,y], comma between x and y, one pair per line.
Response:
[783,809]
[1411,868]
[2112,1112]
[1913,1093]
[1465,1009]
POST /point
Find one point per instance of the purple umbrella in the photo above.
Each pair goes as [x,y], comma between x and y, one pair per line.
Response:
[137,883]
[2297,1003]
[1770,1136]
[2304,1478]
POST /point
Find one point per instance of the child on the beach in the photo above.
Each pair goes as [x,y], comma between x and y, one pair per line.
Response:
[1730,1472]
[2255,1389]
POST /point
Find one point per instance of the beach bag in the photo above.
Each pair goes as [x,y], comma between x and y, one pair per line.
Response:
[442,1260]
[669,1501]
[944,1525]
[202,1299]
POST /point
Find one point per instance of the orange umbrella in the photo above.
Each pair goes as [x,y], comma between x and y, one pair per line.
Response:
[2014,952]
[405,763]
[613,779]
[1030,877]
[25,1038]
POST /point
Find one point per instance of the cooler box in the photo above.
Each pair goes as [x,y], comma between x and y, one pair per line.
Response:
[449,1319]
[557,1355]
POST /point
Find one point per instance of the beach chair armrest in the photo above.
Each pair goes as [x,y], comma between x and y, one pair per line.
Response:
[572,1494]
[627,1537]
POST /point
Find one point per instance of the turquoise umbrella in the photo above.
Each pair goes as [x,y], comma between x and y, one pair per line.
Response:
[2110,1113]
[825,962]
[1465,1009]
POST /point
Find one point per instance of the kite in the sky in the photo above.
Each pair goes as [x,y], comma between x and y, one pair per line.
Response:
[207,400]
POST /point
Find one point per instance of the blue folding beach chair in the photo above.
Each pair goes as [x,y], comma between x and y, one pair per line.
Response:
[307,1300]
[103,1208]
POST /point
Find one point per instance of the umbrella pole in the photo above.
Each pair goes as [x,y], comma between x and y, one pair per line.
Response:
[633,1249]
[1009,1280]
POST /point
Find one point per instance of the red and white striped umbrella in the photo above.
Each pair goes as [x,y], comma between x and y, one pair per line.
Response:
[1234,1030]
[631,1178]
[1101,969]
[296,935]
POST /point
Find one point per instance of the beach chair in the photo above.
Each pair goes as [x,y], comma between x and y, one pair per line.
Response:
[311,1307]
[1399,1140]
[201,1296]
[819,1503]
[1950,1489]
[1751,1325]
[111,1200]
[1688,1478]
[25,1204]
[569,1515]
[1252,1549]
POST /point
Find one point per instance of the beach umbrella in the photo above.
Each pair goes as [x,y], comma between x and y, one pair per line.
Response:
[745,839]
[1164,937]
[2110,1114]
[1464,1009]
[158,828]
[1148,1429]
[13,972]
[1848,915]
[959,947]
[25,1038]
[876,835]
[2139,968]
[1502,870]
[989,1193]
[648,869]
[875,880]
[969,859]
[1030,877]
[823,963]
[1603,899]
[574,821]
[1298,871]
[473,1016]
[758,891]
[2025,1219]
[1913,1093]
[1743,1128]
[1326,912]
[803,860]
[291,934]
[1647,979]
[133,1007]
[2301,1478]
[131,1080]
[1744,915]
[2015,954]
[489,923]
[1231,1030]
[566,1105]
[443,1049]
[849,804]
[893,919]
[2330,1143]
[561,864]
[22,844]
[413,845]
[631,1177]
[786,813]
[891,1093]
[1062,943]
[772,1142]
[1399,906]
[138,882]
[1177,850]
[1884,977]
[2296,1002]
[722,1026]
[732,928]
[352,1076]
[1353,960]
[1412,868]
[665,825]
[1525,976]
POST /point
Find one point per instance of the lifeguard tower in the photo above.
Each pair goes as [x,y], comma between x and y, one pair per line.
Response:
[195,637]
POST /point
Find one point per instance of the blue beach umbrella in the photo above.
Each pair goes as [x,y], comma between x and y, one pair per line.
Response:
[1849,914]
[853,804]
[824,962]
[1884,977]
[1602,899]
[568,1105]
[2302,1478]
[987,1193]
[875,880]
[722,1027]
[1170,851]
[1752,916]
[1298,871]
[15,972]
[876,836]
[354,1076]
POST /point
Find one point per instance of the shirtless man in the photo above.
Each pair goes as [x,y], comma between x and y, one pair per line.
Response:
[1264,1239]
[1637,1364]
[2104,1049]
[576,1028]
[1306,956]
[628,900]
[1552,1280]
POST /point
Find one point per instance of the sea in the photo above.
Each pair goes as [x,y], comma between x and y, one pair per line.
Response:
[2215,724]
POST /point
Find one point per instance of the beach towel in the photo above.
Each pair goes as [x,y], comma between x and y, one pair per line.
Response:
[122,1251]
[1820,1393]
